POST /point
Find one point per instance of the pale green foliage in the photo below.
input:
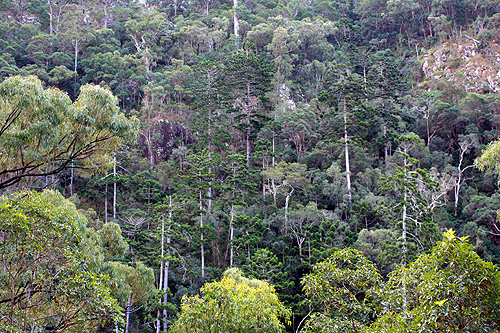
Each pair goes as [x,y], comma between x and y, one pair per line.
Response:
[337,287]
[112,241]
[42,132]
[490,157]
[449,290]
[45,281]
[132,286]
[234,304]
[103,245]
[284,178]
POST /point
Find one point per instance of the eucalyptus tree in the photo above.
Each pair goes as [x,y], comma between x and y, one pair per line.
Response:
[47,282]
[146,32]
[233,304]
[302,128]
[450,289]
[133,286]
[42,132]
[337,291]
[285,178]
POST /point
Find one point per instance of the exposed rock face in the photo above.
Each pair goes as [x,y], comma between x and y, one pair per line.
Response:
[465,65]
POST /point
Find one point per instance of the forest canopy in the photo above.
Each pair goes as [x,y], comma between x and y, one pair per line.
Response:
[193,137]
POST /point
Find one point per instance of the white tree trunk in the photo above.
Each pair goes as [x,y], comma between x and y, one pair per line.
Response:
[347,168]
[167,267]
[202,247]
[236,21]
[127,314]
[231,237]
[76,55]
[160,284]
[114,188]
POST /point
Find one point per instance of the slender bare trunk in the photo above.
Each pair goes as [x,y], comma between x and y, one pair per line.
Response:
[71,180]
[76,55]
[202,247]
[231,237]
[347,168]
[287,202]
[249,124]
[114,188]
[106,206]
[236,21]
[51,17]
[209,208]
[105,14]
[386,145]
[160,284]
[127,314]
[166,272]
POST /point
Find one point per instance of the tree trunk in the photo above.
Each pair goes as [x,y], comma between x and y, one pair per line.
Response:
[236,21]
[160,284]
[202,247]
[127,314]
[106,206]
[347,168]
[114,187]
[71,180]
[209,208]
[248,122]
[105,14]
[51,17]
[386,144]
[167,267]
[287,202]
[231,237]
[76,55]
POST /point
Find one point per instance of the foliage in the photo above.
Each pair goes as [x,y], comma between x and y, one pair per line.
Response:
[46,283]
[312,103]
[42,132]
[451,289]
[337,288]
[234,304]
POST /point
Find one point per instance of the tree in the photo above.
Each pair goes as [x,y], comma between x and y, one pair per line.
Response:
[46,282]
[236,188]
[344,91]
[466,144]
[200,173]
[490,158]
[285,178]
[42,132]
[337,288]
[234,304]
[132,286]
[414,196]
[451,289]
[248,79]
[301,220]
[146,31]
[301,125]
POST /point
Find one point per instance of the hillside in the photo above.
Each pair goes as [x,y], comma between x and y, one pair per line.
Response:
[466,64]
[263,135]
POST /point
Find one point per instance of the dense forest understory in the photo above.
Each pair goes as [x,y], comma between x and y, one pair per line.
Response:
[190,137]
